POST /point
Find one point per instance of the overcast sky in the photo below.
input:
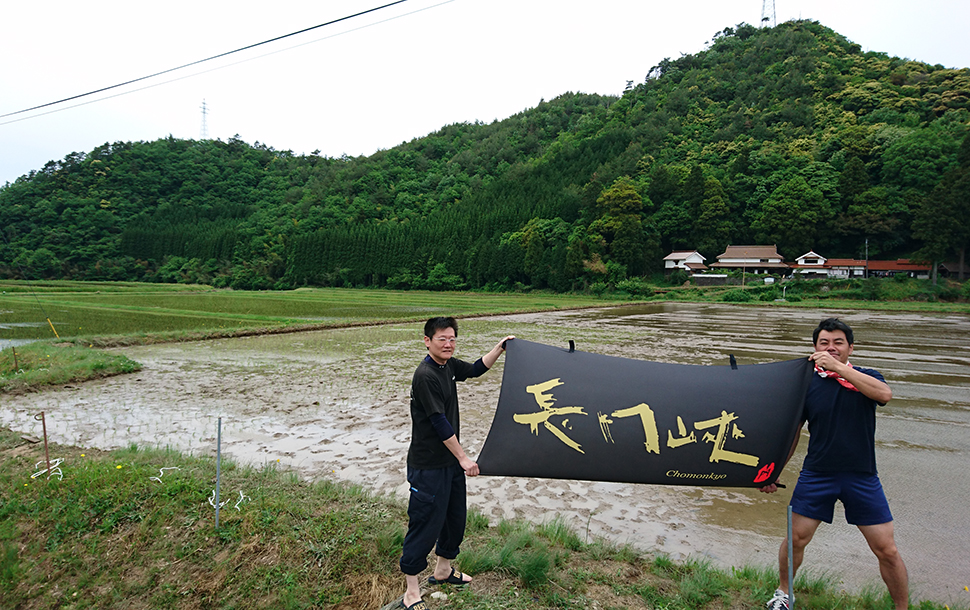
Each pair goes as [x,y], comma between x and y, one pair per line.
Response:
[374,81]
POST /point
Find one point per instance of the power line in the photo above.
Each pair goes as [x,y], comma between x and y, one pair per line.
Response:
[194,63]
[242,61]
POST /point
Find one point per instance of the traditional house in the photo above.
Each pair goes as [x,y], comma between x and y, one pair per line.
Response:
[846,268]
[811,265]
[897,267]
[690,261]
[959,270]
[752,259]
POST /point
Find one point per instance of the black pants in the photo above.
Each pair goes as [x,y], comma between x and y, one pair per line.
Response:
[436,514]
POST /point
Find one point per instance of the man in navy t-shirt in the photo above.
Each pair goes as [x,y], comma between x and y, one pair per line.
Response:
[840,408]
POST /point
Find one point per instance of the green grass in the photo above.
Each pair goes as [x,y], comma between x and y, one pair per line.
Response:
[109,535]
[129,314]
[39,364]
[885,294]
[106,313]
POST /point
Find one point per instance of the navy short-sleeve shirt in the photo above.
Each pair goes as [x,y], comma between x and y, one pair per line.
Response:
[841,425]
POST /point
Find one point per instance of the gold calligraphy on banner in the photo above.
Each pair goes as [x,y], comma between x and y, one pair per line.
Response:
[725,425]
[547,410]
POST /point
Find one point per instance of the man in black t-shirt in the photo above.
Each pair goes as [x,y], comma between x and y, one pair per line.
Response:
[840,408]
[437,464]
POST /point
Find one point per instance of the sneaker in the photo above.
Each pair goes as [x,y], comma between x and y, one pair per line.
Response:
[778,602]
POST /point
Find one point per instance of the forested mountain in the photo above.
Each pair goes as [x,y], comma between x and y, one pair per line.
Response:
[787,135]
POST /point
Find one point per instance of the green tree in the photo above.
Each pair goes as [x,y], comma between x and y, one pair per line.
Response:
[713,228]
[790,217]
[878,213]
[941,222]
[853,181]
[619,227]
[42,264]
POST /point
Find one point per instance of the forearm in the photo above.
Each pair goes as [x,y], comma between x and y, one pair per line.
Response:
[867,384]
[870,386]
[489,359]
[466,463]
[455,448]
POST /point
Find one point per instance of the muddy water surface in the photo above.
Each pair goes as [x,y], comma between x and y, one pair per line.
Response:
[334,403]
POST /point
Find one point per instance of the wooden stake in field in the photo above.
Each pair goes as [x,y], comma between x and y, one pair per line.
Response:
[40,417]
[16,365]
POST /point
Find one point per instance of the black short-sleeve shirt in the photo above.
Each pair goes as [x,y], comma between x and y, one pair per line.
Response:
[433,390]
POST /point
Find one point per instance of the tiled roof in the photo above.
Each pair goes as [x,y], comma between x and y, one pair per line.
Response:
[753,265]
[901,264]
[677,255]
[750,252]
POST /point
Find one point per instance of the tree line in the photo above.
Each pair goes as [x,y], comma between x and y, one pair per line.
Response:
[788,135]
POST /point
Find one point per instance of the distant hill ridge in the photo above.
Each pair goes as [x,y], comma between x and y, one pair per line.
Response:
[788,135]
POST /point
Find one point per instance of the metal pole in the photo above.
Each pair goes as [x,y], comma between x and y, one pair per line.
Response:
[791,584]
[218,468]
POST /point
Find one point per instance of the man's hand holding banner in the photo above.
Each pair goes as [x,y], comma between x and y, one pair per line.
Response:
[574,415]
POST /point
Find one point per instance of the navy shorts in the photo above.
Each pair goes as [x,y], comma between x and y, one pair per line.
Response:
[861,495]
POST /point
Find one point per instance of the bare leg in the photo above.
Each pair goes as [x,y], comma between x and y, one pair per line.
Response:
[413,592]
[803,529]
[442,570]
[891,566]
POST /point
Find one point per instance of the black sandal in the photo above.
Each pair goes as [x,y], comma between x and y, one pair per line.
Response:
[455,578]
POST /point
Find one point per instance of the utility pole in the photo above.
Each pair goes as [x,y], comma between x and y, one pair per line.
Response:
[744,267]
[204,135]
[867,258]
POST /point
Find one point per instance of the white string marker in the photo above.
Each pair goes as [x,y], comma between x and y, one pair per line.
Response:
[213,499]
[161,473]
[52,471]
[242,497]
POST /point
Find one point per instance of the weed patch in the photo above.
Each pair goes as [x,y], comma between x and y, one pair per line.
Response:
[114,534]
[38,364]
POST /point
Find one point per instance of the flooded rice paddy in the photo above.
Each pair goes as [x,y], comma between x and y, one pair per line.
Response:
[334,403]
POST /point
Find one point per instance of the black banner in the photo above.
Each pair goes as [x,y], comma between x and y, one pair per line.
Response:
[573,415]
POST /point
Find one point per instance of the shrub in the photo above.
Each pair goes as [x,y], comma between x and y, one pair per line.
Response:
[872,289]
[677,277]
[737,295]
[770,294]
[634,286]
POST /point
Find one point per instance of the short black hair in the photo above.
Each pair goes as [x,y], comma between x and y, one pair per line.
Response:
[831,324]
[439,323]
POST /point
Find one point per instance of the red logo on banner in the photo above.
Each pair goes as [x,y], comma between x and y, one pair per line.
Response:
[764,473]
